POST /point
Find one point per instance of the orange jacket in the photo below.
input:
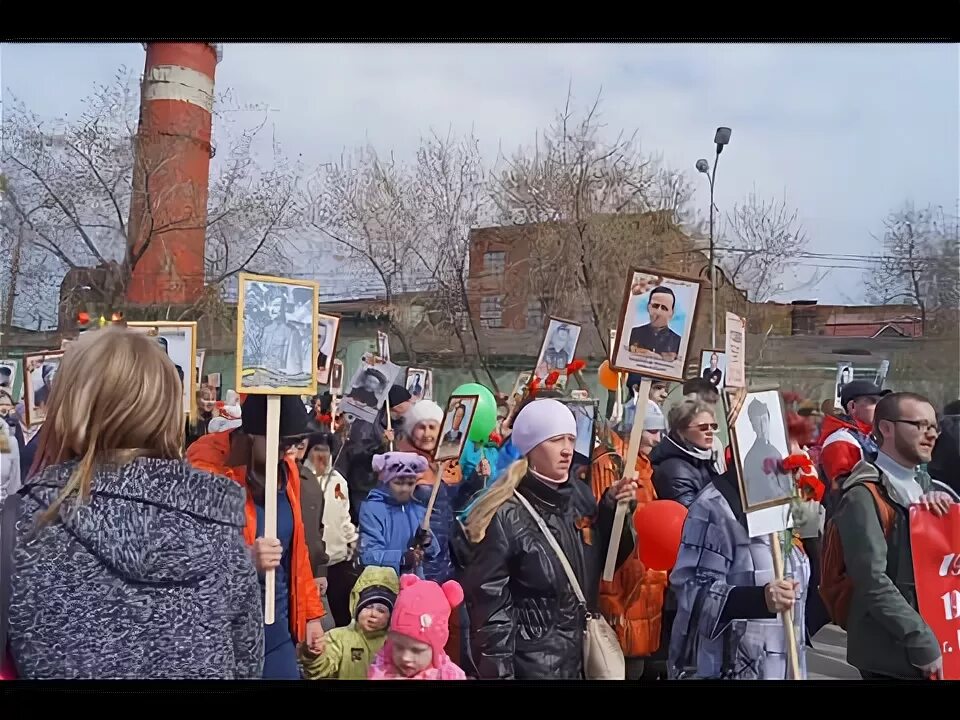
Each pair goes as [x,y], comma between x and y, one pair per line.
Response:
[210,453]
[633,601]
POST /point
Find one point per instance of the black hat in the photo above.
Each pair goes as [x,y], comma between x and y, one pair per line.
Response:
[375,594]
[858,389]
[398,395]
[293,416]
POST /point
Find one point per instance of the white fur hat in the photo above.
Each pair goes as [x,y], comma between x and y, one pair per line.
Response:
[540,421]
[422,411]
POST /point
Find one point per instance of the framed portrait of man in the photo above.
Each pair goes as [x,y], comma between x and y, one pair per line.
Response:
[713,367]
[40,371]
[558,349]
[656,324]
[276,336]
[758,438]
[179,341]
[419,382]
[369,388]
[516,394]
[10,381]
[455,427]
[328,330]
[844,377]
[336,378]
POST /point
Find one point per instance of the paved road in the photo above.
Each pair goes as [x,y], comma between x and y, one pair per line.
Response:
[827,660]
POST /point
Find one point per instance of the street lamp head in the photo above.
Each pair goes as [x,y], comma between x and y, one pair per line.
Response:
[703,166]
[721,138]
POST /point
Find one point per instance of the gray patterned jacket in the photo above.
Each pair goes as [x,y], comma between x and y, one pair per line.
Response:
[150,579]
[710,640]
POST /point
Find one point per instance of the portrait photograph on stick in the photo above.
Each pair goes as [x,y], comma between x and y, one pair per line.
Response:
[179,341]
[419,383]
[328,329]
[10,377]
[383,346]
[558,349]
[656,324]
[455,426]
[844,378]
[336,378]
[516,394]
[369,388]
[276,336]
[713,367]
[759,443]
[585,413]
[40,370]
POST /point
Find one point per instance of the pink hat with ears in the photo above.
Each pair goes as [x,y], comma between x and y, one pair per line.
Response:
[422,612]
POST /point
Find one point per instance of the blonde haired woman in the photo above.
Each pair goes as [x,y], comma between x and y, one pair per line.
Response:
[128,563]
[525,619]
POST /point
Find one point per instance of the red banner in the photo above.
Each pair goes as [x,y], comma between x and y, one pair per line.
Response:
[936,565]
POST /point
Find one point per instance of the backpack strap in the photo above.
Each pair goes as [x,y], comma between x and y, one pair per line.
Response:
[885,511]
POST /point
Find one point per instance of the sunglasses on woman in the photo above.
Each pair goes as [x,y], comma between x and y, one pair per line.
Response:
[703,427]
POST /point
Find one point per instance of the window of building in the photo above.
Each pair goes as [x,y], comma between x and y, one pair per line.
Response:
[494,261]
[491,311]
[534,315]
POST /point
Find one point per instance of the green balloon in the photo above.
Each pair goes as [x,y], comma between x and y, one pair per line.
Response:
[485,418]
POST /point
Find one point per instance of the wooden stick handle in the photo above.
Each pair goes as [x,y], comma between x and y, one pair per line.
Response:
[270,500]
[433,496]
[786,617]
[630,471]
[389,421]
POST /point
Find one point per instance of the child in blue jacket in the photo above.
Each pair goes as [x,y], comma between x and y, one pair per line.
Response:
[390,519]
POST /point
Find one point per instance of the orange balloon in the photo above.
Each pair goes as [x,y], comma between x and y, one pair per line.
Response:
[609,378]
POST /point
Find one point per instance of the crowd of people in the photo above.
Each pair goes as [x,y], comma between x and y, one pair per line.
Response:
[140,547]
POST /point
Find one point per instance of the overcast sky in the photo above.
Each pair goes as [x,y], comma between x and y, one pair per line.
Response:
[849,132]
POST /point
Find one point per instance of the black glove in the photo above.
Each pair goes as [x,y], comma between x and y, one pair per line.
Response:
[421,538]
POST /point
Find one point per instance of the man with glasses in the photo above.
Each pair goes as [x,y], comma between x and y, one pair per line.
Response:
[241,454]
[886,637]
[656,338]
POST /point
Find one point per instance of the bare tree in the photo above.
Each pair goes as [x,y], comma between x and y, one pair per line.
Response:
[70,186]
[592,207]
[452,199]
[761,240]
[920,263]
[366,204]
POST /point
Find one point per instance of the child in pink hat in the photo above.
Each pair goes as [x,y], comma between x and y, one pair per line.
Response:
[418,633]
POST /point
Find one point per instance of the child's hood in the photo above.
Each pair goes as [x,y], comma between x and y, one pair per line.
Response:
[372,576]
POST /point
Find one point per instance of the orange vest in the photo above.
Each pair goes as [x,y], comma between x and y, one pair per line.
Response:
[209,453]
[633,602]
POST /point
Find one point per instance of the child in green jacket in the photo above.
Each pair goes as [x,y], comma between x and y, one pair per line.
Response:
[350,650]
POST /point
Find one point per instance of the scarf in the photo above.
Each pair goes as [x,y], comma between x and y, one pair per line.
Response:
[690,450]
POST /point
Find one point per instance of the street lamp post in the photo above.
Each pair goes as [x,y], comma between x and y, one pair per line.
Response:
[721,138]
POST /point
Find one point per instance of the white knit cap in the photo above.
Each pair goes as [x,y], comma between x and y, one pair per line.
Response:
[653,420]
[422,411]
[540,421]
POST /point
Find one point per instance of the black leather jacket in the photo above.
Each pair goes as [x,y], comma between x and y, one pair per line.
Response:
[525,620]
[677,473]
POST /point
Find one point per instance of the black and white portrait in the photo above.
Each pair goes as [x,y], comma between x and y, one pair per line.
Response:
[276,336]
[713,367]
[39,375]
[328,327]
[420,383]
[455,426]
[656,324]
[369,388]
[8,376]
[558,349]
[584,412]
[179,342]
[516,394]
[760,444]
[844,377]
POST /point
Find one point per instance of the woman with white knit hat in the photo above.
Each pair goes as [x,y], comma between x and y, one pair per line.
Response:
[526,622]
[421,430]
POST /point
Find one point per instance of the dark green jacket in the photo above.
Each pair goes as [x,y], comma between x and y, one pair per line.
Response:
[885,633]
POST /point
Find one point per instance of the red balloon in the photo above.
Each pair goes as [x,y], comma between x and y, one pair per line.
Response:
[659,525]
